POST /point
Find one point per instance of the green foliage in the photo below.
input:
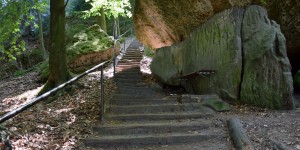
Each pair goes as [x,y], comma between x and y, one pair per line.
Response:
[114,8]
[12,14]
[148,52]
[23,72]
[92,39]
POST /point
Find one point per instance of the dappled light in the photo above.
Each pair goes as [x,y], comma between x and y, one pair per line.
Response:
[190,75]
[58,124]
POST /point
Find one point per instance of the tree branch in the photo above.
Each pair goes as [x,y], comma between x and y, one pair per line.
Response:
[66,4]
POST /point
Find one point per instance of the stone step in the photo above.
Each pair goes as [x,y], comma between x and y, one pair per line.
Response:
[127,69]
[156,117]
[151,128]
[139,91]
[128,63]
[141,101]
[133,59]
[159,108]
[132,76]
[132,80]
[123,100]
[132,96]
[144,140]
[134,88]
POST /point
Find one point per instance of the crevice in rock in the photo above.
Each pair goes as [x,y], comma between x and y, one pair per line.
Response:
[243,56]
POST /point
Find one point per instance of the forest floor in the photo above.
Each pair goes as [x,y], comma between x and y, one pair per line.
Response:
[62,123]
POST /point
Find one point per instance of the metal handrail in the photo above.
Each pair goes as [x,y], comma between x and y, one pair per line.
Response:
[116,38]
[34,101]
[40,98]
[126,32]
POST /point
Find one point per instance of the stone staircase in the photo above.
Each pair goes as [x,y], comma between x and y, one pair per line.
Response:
[141,115]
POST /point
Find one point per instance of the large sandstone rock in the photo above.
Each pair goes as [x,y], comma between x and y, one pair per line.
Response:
[248,55]
[214,46]
[267,79]
[162,23]
[286,14]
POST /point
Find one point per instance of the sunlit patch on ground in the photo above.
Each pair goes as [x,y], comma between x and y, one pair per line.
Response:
[11,103]
[145,65]
[57,125]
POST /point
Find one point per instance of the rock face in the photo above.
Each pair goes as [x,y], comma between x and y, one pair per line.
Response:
[162,23]
[267,79]
[243,48]
[286,13]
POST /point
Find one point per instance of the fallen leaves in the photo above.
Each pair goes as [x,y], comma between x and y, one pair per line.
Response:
[60,124]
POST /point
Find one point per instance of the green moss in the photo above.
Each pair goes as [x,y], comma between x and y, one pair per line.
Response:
[44,71]
[148,52]
[92,39]
[216,104]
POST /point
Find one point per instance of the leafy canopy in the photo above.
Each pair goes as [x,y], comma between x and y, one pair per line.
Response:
[112,8]
[14,14]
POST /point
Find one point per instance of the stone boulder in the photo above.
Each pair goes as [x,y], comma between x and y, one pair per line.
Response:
[286,14]
[89,47]
[163,23]
[267,80]
[227,55]
[214,46]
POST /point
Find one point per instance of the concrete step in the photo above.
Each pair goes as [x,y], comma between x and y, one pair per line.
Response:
[151,128]
[129,70]
[132,96]
[133,140]
[128,63]
[132,76]
[125,88]
[156,117]
[141,101]
[133,59]
[159,108]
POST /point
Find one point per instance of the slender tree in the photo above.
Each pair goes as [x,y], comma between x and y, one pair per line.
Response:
[57,56]
[102,20]
[41,36]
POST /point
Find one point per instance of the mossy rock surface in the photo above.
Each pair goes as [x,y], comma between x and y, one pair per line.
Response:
[216,104]
[91,40]
[89,47]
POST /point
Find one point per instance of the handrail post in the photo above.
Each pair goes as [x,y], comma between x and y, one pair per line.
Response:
[124,45]
[102,95]
[115,41]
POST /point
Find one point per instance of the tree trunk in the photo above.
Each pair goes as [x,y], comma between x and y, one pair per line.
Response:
[57,56]
[102,20]
[118,27]
[41,36]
